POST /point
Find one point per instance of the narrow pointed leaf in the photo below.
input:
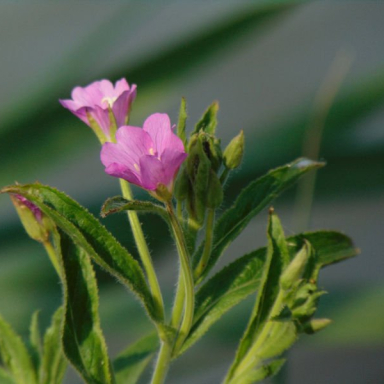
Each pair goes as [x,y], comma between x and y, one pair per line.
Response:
[130,364]
[256,196]
[277,257]
[87,232]
[14,355]
[54,363]
[208,121]
[182,122]
[242,277]
[35,347]
[119,204]
[83,341]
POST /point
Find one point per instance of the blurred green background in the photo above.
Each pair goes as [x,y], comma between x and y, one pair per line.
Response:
[287,73]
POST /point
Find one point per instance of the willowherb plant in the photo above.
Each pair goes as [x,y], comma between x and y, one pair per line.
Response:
[185,176]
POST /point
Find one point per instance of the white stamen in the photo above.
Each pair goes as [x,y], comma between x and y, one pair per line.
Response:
[151,151]
[136,167]
[109,100]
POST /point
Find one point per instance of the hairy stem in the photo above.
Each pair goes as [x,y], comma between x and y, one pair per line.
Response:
[186,281]
[52,256]
[162,364]
[144,252]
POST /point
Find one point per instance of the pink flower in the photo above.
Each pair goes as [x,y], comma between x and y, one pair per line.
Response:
[32,207]
[96,99]
[146,157]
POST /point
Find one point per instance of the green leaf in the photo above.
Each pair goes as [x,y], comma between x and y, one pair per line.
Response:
[119,204]
[256,196]
[87,232]
[223,291]
[53,363]
[83,341]
[260,373]
[208,121]
[5,377]
[35,347]
[182,122]
[14,355]
[277,258]
[130,363]
[242,277]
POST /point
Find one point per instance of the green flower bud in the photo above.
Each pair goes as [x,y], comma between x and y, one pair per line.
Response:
[295,269]
[182,185]
[233,154]
[315,325]
[215,193]
[35,223]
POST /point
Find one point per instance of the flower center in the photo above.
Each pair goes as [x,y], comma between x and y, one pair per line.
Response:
[109,100]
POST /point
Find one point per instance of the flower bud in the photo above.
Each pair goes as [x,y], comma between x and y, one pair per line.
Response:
[233,154]
[215,193]
[295,269]
[35,223]
[315,325]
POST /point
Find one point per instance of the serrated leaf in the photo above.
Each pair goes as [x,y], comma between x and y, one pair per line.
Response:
[14,355]
[130,364]
[53,363]
[182,122]
[119,204]
[256,196]
[35,347]
[208,121]
[223,291]
[87,232]
[235,282]
[83,341]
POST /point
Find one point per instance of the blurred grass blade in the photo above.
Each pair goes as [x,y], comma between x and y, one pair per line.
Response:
[130,364]
[171,63]
[14,355]
[87,232]
[54,363]
[83,341]
[256,196]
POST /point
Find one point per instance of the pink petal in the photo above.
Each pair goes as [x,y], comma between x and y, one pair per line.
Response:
[158,126]
[122,172]
[134,141]
[81,112]
[101,117]
[171,161]
[121,86]
[120,108]
[152,172]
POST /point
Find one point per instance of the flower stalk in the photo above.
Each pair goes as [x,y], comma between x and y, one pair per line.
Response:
[186,284]
[143,251]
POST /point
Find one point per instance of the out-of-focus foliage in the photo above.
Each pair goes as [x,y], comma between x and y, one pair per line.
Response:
[205,56]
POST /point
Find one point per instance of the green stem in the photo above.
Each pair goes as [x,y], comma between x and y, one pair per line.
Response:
[251,358]
[186,269]
[224,176]
[207,245]
[144,251]
[52,256]
[162,364]
[178,305]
